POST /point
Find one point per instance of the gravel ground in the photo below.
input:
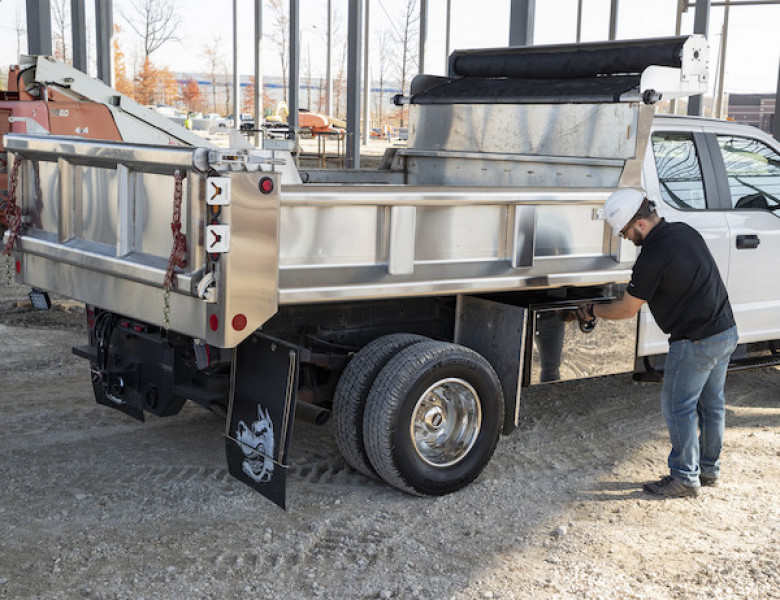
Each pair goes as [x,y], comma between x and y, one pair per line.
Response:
[96,505]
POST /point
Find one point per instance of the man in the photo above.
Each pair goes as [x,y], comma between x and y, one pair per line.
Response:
[678,278]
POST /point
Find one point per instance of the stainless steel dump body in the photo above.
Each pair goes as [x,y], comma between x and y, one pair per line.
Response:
[99,230]
[496,197]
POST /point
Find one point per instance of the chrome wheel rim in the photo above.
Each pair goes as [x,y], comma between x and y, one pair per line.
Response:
[446,422]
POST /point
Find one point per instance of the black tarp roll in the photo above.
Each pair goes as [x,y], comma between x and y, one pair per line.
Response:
[575,62]
[477,90]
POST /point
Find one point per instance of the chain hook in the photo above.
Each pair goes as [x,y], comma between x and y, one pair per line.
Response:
[178,257]
[13,212]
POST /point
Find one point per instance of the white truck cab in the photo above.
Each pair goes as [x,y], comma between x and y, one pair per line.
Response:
[723,179]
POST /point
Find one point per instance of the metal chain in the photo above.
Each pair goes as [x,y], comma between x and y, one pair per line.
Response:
[178,257]
[166,308]
[9,278]
[13,212]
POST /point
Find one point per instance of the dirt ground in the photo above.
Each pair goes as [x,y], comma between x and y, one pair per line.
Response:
[96,505]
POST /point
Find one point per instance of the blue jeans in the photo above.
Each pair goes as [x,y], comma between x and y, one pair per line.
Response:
[694,405]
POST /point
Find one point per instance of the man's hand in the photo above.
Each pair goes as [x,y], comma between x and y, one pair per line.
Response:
[585,313]
[586,318]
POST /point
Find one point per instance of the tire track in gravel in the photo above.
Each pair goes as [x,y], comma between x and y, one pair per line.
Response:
[571,428]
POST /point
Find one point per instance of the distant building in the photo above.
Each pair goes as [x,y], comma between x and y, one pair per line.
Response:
[753,109]
[217,96]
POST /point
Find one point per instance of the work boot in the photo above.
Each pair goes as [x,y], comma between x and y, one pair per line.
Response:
[671,488]
[708,481]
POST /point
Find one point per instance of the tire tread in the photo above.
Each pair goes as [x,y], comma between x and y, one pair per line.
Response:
[352,390]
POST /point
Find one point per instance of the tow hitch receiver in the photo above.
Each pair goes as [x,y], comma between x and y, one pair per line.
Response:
[260,416]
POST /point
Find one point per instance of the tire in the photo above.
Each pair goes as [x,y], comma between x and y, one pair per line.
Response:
[412,407]
[349,399]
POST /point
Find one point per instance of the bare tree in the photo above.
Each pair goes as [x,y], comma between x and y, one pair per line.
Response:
[226,74]
[384,45]
[406,42]
[339,37]
[155,21]
[60,26]
[280,37]
[214,62]
[20,31]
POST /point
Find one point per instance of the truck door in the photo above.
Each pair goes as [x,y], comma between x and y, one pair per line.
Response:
[748,171]
[678,174]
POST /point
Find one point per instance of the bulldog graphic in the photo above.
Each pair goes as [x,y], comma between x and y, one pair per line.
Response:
[257,444]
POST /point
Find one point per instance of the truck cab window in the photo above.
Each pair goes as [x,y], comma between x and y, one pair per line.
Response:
[753,171]
[679,172]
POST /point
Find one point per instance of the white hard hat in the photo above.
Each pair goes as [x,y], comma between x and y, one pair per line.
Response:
[621,206]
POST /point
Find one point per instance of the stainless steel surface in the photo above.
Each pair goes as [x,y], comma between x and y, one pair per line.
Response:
[333,242]
[160,159]
[523,236]
[524,145]
[126,225]
[439,167]
[400,259]
[340,243]
[446,422]
[247,275]
[100,232]
[66,226]
[302,286]
[113,290]
[317,243]
[497,331]
[632,173]
[603,131]
[561,352]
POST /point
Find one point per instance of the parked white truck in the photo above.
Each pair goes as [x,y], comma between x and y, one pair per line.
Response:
[414,301]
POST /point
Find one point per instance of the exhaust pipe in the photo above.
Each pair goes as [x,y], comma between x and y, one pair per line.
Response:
[311,413]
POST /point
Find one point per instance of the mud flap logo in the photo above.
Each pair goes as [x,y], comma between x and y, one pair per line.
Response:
[257,444]
[257,436]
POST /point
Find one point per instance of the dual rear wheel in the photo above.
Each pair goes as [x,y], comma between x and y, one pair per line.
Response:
[423,415]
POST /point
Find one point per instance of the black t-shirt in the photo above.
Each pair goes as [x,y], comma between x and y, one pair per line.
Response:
[677,276]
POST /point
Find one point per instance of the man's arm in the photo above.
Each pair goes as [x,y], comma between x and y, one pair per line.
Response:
[625,308]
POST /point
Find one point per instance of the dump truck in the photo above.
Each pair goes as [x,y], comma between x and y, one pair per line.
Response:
[414,302]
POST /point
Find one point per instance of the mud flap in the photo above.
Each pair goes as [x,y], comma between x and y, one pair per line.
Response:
[263,386]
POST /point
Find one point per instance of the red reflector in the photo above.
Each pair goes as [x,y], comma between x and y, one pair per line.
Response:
[125,324]
[239,322]
[214,322]
[266,185]
[138,328]
[18,267]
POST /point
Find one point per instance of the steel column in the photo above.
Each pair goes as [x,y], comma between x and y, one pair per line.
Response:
[236,86]
[78,22]
[718,112]
[329,59]
[295,51]
[423,34]
[366,76]
[39,27]
[447,35]
[104,23]
[613,18]
[579,21]
[521,22]
[354,54]
[258,70]
[701,24]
